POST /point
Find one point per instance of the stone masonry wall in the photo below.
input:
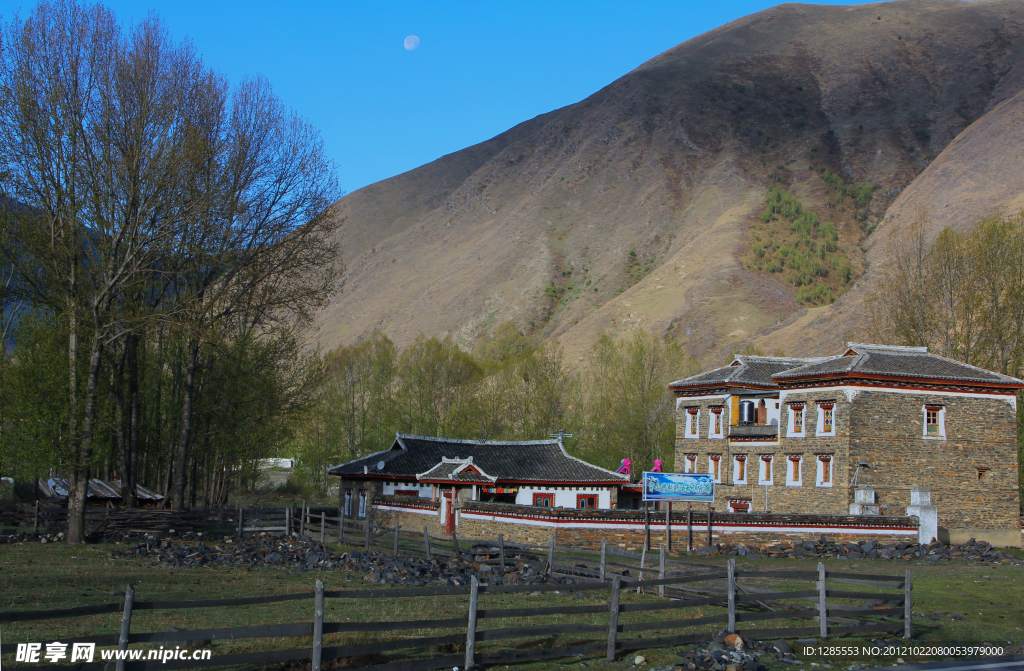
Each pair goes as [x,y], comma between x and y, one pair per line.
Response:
[781,498]
[528,525]
[981,433]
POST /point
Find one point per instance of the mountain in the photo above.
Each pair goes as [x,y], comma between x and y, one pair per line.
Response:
[738,188]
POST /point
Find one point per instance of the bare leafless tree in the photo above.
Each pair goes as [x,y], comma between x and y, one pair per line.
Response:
[144,190]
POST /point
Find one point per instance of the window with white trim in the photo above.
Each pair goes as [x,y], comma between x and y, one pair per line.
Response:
[794,470]
[362,503]
[796,420]
[715,425]
[823,477]
[934,421]
[739,469]
[826,418]
[692,423]
[715,467]
[764,471]
[690,464]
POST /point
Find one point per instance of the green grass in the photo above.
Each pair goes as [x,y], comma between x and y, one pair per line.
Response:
[40,577]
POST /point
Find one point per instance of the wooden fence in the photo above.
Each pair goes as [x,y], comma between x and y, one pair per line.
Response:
[888,611]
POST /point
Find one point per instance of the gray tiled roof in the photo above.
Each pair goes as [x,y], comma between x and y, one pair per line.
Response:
[508,461]
[449,469]
[745,370]
[909,362]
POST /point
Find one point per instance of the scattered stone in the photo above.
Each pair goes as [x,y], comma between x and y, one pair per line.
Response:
[783,647]
[639,659]
[300,553]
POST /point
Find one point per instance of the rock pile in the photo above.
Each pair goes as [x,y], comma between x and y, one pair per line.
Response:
[972,550]
[304,554]
[730,652]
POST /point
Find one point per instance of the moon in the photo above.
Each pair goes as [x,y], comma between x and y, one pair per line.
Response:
[411,42]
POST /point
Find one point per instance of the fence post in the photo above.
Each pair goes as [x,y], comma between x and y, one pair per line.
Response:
[822,603]
[668,527]
[661,572]
[35,520]
[647,526]
[455,546]
[474,595]
[710,510]
[126,623]
[908,628]
[643,559]
[302,519]
[604,551]
[368,530]
[613,615]
[689,528]
[288,521]
[322,526]
[341,524]
[551,555]
[241,516]
[318,625]
[396,535]
[731,571]
[426,541]
[501,549]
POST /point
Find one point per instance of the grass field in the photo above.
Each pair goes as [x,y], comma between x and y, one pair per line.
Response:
[41,577]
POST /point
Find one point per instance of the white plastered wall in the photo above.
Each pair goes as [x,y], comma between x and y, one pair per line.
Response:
[565,497]
[390,487]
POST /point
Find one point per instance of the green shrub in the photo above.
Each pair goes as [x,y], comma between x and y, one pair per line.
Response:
[292,487]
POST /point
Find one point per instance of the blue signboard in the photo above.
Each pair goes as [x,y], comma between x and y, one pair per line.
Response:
[679,487]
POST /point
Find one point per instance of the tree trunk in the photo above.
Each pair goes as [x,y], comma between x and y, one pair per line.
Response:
[77,497]
[181,451]
[132,474]
[116,377]
[76,475]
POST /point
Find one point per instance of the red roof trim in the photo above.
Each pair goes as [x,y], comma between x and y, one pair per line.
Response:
[852,378]
[553,483]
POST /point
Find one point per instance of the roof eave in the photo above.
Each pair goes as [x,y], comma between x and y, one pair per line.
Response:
[722,385]
[852,377]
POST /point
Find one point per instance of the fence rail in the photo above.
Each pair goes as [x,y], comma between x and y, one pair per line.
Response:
[895,618]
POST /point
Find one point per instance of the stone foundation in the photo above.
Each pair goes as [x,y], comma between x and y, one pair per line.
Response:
[624,529]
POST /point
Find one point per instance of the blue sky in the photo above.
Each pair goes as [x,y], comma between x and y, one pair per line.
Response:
[480,68]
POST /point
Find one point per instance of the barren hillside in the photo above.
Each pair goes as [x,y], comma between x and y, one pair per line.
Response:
[644,205]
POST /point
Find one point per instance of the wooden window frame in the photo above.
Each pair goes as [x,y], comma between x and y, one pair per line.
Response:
[934,430]
[826,425]
[715,427]
[715,467]
[795,465]
[768,459]
[692,423]
[739,464]
[823,470]
[797,421]
[580,498]
[550,496]
[690,463]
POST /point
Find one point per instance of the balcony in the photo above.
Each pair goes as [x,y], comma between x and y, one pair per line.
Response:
[767,432]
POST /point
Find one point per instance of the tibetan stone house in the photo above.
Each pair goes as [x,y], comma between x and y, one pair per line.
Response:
[875,431]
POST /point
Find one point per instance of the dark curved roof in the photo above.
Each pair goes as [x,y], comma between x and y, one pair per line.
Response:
[508,461]
[900,362]
[754,371]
